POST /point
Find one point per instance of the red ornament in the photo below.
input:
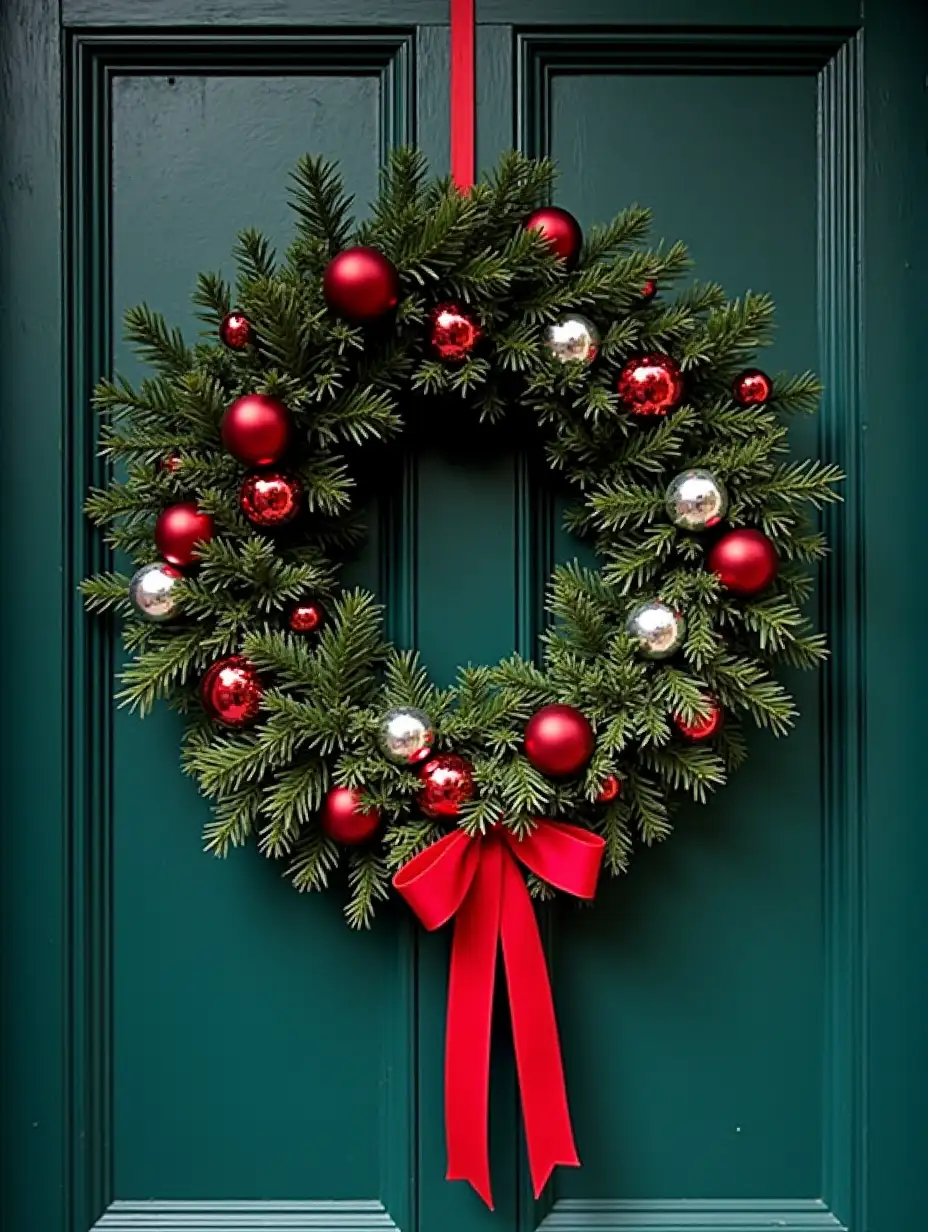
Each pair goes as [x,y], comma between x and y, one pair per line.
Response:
[343,819]
[744,560]
[702,726]
[306,616]
[651,384]
[170,463]
[453,333]
[649,290]
[236,331]
[270,498]
[257,429]
[752,387]
[559,740]
[611,789]
[361,284]
[448,782]
[178,531]
[560,229]
[231,691]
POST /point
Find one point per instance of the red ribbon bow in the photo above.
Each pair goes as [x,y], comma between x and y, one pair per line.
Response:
[478,881]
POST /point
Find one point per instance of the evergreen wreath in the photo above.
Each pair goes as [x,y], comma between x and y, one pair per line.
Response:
[306,728]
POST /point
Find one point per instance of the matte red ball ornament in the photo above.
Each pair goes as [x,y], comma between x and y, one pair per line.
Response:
[611,789]
[453,334]
[447,783]
[344,819]
[236,331]
[559,740]
[257,429]
[178,531]
[702,726]
[361,284]
[231,691]
[651,384]
[270,498]
[306,616]
[752,387]
[744,560]
[560,229]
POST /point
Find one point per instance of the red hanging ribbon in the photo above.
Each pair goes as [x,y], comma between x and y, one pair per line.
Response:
[462,93]
[478,881]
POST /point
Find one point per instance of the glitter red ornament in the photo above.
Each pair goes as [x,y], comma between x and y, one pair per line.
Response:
[361,284]
[452,333]
[178,531]
[306,616]
[752,387]
[744,560]
[560,229]
[610,790]
[344,819]
[236,331]
[650,384]
[559,740]
[270,498]
[701,727]
[231,691]
[447,783]
[257,429]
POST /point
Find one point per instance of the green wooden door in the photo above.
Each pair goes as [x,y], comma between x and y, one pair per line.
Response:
[190,1045]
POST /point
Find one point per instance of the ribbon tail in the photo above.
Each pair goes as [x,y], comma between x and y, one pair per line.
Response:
[542,1086]
[469,1025]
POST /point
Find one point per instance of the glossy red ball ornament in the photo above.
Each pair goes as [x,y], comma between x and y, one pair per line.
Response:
[649,289]
[361,284]
[270,498]
[343,818]
[752,387]
[257,429]
[170,463]
[744,560]
[447,783]
[178,531]
[651,384]
[702,726]
[306,616]
[236,331]
[560,229]
[453,334]
[559,740]
[231,691]
[610,790]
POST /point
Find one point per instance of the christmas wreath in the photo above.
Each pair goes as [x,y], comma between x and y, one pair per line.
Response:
[238,501]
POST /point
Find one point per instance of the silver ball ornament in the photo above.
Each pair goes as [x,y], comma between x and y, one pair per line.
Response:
[657,628]
[406,735]
[572,339]
[696,500]
[152,592]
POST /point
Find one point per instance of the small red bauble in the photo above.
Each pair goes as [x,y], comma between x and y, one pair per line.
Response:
[649,290]
[611,789]
[559,740]
[257,429]
[231,691]
[744,560]
[170,463]
[306,616]
[343,819]
[701,727]
[752,387]
[651,384]
[447,783]
[560,229]
[178,531]
[361,284]
[270,498]
[453,334]
[236,331]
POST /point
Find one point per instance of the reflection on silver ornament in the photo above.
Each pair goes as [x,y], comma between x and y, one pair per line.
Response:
[406,735]
[657,628]
[572,339]
[152,592]
[696,500]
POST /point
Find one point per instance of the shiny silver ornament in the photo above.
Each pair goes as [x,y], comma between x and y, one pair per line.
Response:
[572,339]
[696,500]
[152,592]
[657,628]
[406,735]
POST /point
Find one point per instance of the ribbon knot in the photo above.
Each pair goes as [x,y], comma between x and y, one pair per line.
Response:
[478,882]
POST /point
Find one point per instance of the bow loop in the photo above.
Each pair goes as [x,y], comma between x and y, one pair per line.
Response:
[436,881]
